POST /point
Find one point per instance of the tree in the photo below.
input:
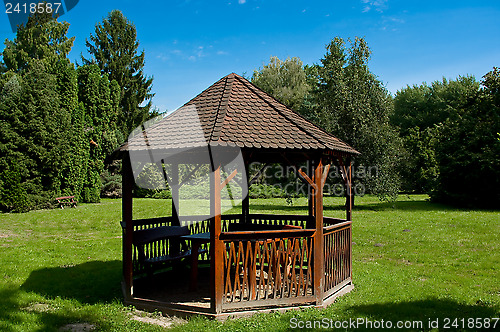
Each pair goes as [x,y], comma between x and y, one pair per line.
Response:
[57,124]
[424,106]
[42,38]
[468,150]
[419,114]
[114,48]
[353,105]
[99,98]
[286,81]
[36,108]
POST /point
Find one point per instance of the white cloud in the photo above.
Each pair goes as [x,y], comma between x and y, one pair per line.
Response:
[377,5]
[242,1]
[391,23]
[162,57]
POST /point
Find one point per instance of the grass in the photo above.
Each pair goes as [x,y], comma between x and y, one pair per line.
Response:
[413,261]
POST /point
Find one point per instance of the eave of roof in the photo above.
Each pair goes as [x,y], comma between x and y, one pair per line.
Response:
[235,112]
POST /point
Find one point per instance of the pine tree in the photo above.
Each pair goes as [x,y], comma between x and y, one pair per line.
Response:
[36,111]
[114,48]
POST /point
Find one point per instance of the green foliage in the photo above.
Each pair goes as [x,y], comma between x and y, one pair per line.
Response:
[36,110]
[425,105]
[468,150]
[261,190]
[114,49]
[420,169]
[57,124]
[286,80]
[450,132]
[42,38]
[12,192]
[99,98]
[111,181]
[352,104]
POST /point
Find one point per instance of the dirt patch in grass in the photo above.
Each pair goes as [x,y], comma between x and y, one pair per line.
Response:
[39,307]
[6,235]
[163,321]
[78,327]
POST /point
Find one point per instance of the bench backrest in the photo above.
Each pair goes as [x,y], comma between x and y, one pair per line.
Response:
[243,227]
[145,236]
[65,197]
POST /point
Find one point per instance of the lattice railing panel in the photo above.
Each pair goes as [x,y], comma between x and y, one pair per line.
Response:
[267,269]
[337,251]
[279,220]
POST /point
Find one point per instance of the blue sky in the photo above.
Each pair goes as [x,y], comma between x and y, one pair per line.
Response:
[190,44]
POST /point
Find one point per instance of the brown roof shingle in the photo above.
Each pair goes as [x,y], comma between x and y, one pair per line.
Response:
[232,112]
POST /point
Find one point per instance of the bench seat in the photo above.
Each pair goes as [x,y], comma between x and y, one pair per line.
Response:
[144,237]
[66,200]
[168,258]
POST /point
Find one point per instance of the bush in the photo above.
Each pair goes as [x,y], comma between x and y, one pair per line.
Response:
[13,195]
[111,185]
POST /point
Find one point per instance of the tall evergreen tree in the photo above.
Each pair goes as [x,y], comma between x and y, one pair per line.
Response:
[354,105]
[42,38]
[114,48]
[36,109]
[99,98]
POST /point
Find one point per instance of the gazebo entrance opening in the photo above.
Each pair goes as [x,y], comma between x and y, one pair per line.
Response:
[236,262]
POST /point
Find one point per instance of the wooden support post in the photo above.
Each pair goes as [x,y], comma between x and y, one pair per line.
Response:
[127,190]
[174,187]
[212,190]
[216,247]
[310,194]
[349,195]
[319,259]
[245,203]
[347,177]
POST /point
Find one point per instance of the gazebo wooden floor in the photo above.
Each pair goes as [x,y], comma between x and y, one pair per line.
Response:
[173,284]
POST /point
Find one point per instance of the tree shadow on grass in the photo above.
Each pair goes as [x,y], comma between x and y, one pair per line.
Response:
[403,206]
[16,315]
[90,283]
[426,311]
[377,206]
[291,209]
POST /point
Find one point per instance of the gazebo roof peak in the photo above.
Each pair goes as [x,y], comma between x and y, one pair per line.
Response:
[234,112]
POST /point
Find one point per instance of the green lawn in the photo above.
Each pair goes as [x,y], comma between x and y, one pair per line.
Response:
[413,261]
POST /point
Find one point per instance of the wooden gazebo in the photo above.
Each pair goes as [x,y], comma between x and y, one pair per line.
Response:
[255,261]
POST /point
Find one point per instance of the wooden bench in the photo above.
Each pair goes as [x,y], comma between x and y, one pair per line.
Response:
[177,247]
[66,200]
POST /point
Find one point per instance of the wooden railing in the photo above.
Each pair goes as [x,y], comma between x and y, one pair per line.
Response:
[338,254]
[196,224]
[279,220]
[263,268]
[270,267]
[155,249]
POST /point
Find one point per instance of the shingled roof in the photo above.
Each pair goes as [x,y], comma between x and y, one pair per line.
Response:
[234,112]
